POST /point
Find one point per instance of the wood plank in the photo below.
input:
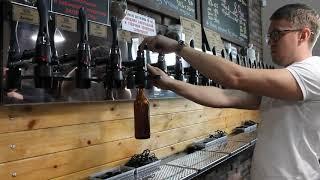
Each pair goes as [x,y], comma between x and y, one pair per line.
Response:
[176,120]
[29,117]
[66,162]
[46,141]
[213,112]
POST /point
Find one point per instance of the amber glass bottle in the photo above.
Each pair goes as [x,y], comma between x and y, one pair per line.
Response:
[141,116]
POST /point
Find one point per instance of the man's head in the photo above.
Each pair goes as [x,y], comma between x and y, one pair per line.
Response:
[293,32]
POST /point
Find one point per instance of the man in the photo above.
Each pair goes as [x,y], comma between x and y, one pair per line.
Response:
[288,145]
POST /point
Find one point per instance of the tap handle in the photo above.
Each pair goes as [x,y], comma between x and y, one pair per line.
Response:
[83,25]
[52,30]
[14,48]
[43,51]
[114,28]
[238,59]
[192,43]
[204,49]
[214,51]
[85,69]
[223,53]
[42,7]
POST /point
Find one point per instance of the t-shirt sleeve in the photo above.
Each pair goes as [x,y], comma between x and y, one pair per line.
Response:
[307,75]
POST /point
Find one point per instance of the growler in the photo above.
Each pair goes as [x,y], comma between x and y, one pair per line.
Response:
[141,116]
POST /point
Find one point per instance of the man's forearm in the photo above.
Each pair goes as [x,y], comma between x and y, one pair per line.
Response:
[214,67]
[215,97]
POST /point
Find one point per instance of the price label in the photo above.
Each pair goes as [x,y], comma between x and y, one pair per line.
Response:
[214,40]
[25,14]
[192,30]
[98,30]
[66,23]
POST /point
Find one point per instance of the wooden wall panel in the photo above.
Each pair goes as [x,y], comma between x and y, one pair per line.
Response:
[50,140]
[72,141]
[22,118]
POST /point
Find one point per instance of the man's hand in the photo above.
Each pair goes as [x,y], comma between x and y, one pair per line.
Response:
[164,81]
[15,95]
[160,44]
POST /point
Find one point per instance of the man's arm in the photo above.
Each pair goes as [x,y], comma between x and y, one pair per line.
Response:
[276,83]
[216,97]
[207,96]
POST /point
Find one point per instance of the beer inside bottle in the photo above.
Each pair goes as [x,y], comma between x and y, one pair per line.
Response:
[141,116]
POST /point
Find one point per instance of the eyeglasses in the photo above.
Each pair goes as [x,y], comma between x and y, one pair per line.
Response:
[277,34]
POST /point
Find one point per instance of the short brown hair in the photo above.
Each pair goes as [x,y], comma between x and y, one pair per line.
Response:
[300,15]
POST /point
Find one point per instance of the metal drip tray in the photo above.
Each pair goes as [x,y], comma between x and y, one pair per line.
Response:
[167,172]
[245,137]
[231,147]
[198,160]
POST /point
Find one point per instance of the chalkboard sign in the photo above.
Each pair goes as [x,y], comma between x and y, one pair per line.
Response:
[97,10]
[185,8]
[227,17]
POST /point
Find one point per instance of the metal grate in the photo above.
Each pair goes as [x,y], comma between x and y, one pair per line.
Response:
[230,147]
[167,172]
[245,137]
[198,160]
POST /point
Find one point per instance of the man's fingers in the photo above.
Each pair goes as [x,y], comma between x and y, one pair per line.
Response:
[152,69]
[145,42]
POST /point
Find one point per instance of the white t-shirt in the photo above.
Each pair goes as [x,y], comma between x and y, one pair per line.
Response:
[288,145]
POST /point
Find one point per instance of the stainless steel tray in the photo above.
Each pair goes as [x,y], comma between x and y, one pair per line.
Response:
[245,137]
[230,148]
[198,160]
[168,172]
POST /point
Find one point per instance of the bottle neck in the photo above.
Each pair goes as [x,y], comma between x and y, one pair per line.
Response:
[140,93]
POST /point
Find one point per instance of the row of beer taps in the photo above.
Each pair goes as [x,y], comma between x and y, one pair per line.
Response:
[118,73]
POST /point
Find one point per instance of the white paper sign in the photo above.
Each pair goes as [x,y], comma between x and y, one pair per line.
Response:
[138,23]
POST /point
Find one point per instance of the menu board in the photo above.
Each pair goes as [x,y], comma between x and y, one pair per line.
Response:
[27,2]
[185,8]
[227,17]
[97,10]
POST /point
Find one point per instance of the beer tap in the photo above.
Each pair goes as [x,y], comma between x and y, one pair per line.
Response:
[84,63]
[223,53]
[141,72]
[214,51]
[55,63]
[161,64]
[204,80]
[177,70]
[193,73]
[16,60]
[43,71]
[114,75]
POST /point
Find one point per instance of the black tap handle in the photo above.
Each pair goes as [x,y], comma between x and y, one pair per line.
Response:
[52,30]
[223,53]
[83,25]
[114,28]
[238,59]
[43,51]
[214,51]
[204,49]
[14,49]
[84,65]
[43,71]
[192,43]
[42,7]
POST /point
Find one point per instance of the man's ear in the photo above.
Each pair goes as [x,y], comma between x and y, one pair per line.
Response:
[305,34]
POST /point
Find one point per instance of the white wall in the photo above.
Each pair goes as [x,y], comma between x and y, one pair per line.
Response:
[267,11]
